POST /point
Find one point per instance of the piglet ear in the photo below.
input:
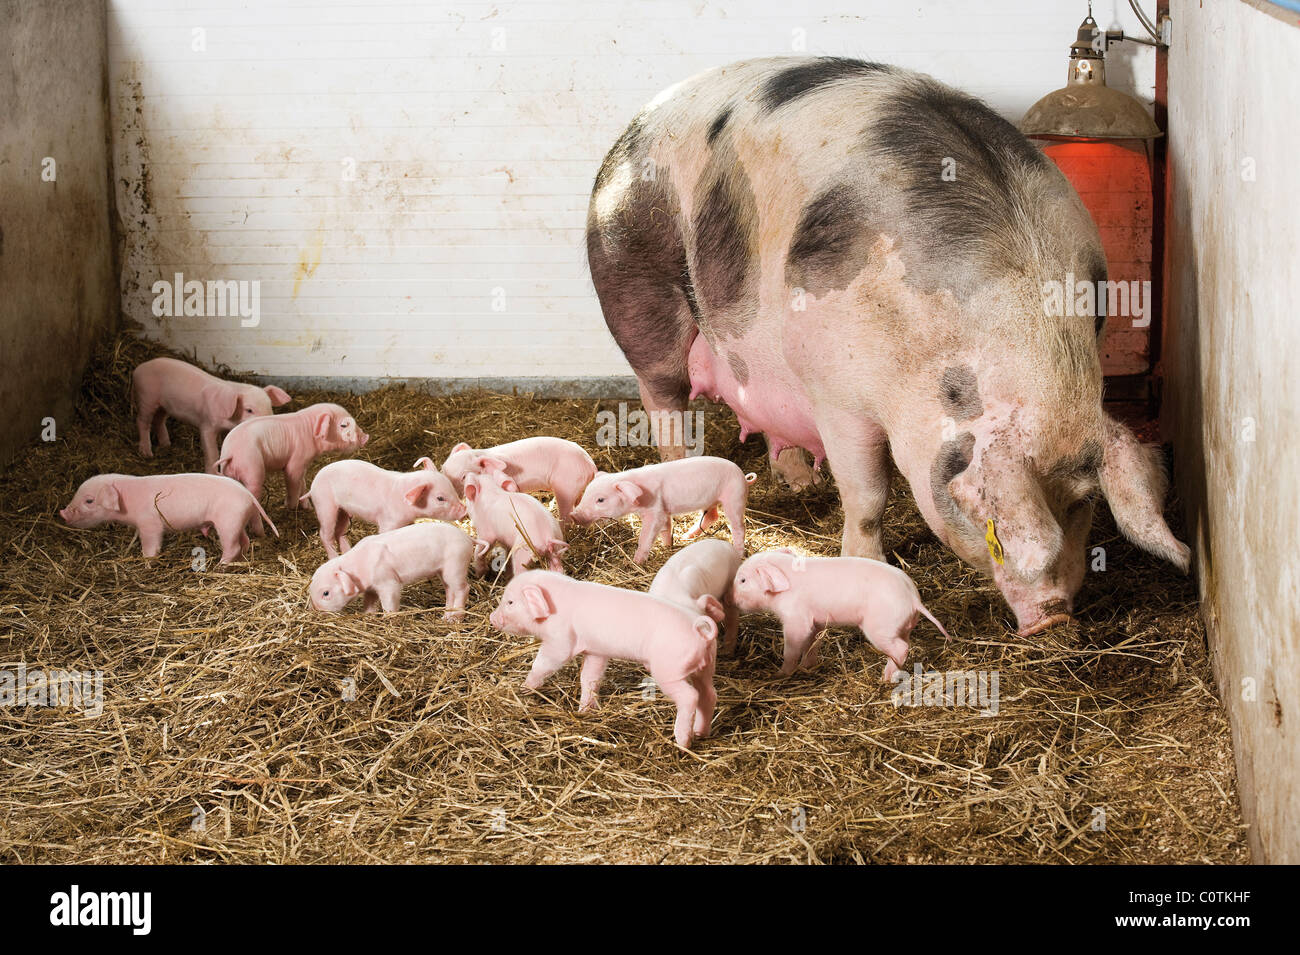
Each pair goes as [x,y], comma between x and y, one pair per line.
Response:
[710,606]
[508,485]
[461,447]
[418,495]
[488,462]
[630,490]
[772,578]
[425,464]
[349,586]
[471,487]
[321,429]
[277,395]
[111,498]
[538,603]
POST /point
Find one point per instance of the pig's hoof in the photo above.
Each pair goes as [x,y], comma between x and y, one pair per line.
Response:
[1045,623]
[146,452]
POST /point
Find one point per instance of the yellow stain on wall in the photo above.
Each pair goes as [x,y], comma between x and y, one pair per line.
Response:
[308,260]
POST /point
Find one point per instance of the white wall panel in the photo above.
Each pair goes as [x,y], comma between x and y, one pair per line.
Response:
[473,163]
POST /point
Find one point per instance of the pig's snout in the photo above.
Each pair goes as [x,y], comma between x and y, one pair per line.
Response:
[364,438]
[63,513]
[494,618]
[1048,615]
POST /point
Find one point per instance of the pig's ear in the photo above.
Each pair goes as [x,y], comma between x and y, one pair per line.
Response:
[349,586]
[630,490]
[772,578]
[461,447]
[221,402]
[538,603]
[321,429]
[418,495]
[277,395]
[1135,484]
[110,498]
[710,606]
[471,487]
[425,464]
[490,462]
[508,485]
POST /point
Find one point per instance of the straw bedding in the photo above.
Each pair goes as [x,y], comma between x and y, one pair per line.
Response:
[227,733]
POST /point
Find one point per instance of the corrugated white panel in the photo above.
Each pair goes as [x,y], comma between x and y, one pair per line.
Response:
[473,131]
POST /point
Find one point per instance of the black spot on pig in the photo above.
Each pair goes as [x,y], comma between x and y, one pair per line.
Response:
[1094,270]
[981,215]
[719,124]
[795,81]
[959,393]
[725,222]
[830,243]
[739,367]
[953,458]
[638,266]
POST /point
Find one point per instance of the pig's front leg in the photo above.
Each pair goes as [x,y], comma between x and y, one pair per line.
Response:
[390,594]
[731,627]
[687,698]
[151,537]
[858,452]
[543,667]
[799,633]
[370,602]
[653,524]
[144,424]
[593,671]
[293,478]
[208,438]
[707,519]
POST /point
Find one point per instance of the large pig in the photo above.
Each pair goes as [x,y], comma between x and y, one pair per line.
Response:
[809,594]
[168,386]
[542,463]
[382,564]
[502,515]
[656,492]
[699,577]
[602,623]
[157,504]
[859,261]
[388,499]
[288,443]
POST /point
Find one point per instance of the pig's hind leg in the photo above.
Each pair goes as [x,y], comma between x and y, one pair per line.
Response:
[687,698]
[593,671]
[637,260]
[733,505]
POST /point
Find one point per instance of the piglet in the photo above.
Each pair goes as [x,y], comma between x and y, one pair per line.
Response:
[658,491]
[698,577]
[502,515]
[165,387]
[811,593]
[573,617]
[382,564]
[389,499]
[288,443]
[534,464]
[156,504]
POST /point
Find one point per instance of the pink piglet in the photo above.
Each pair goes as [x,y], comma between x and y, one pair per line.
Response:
[658,491]
[503,515]
[351,489]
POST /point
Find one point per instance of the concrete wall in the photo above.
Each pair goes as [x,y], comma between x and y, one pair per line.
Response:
[1232,387]
[472,131]
[60,292]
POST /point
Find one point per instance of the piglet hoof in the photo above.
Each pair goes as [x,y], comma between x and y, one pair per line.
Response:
[146,452]
[455,616]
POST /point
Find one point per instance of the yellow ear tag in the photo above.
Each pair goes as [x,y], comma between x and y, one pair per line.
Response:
[991,538]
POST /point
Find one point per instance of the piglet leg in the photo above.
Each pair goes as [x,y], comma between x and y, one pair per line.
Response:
[687,698]
[593,671]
